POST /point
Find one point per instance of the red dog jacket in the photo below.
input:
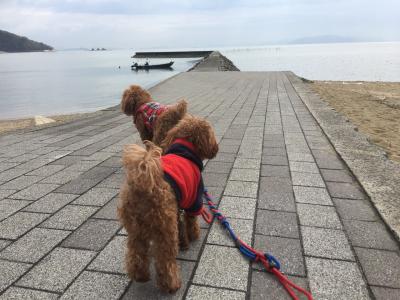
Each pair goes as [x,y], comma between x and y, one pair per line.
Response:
[182,170]
[150,111]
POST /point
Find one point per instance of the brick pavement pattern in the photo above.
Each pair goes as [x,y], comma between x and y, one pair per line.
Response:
[277,178]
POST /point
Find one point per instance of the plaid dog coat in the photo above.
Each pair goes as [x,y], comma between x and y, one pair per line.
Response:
[150,111]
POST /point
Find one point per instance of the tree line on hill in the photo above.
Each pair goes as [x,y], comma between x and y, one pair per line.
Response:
[10,42]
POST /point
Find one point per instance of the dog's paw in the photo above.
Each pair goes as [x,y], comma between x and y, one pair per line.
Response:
[141,277]
[170,287]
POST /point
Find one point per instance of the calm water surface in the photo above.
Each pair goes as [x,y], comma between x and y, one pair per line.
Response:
[345,61]
[71,81]
[80,81]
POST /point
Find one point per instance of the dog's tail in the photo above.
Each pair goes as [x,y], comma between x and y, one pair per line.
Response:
[143,166]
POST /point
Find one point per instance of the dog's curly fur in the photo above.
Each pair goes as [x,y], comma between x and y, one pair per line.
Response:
[134,97]
[148,208]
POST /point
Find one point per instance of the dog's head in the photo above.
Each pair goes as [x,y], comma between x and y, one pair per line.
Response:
[197,131]
[132,98]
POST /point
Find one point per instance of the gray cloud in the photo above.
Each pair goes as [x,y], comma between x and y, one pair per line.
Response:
[189,23]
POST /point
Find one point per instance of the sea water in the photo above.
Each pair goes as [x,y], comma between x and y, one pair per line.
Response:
[344,61]
[64,82]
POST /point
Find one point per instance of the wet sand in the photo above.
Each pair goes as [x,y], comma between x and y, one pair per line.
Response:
[374,107]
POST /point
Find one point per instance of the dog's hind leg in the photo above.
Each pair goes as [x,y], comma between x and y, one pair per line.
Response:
[192,227]
[166,250]
[137,255]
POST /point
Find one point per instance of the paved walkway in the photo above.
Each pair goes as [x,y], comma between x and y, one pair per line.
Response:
[282,186]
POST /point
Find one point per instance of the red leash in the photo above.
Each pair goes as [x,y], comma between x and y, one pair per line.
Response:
[270,263]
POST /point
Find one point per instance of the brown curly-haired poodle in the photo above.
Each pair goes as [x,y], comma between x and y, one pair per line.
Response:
[156,187]
[151,119]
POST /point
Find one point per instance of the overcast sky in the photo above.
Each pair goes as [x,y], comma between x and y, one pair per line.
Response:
[196,23]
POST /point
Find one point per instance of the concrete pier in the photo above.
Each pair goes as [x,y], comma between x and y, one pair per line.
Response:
[277,177]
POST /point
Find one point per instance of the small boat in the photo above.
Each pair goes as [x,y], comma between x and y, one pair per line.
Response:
[146,66]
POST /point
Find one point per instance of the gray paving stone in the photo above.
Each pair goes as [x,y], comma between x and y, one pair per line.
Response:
[218,234]
[218,167]
[381,268]
[275,171]
[8,207]
[34,245]
[307,179]
[35,191]
[93,235]
[97,196]
[222,267]
[113,162]
[276,194]
[194,249]
[68,160]
[197,292]
[355,210]
[326,243]
[78,185]
[50,203]
[265,286]
[16,225]
[293,156]
[4,243]
[274,160]
[382,293]
[336,175]
[113,181]
[62,177]
[17,293]
[225,157]
[333,279]
[344,190]
[237,207]
[108,211]
[270,223]
[312,195]
[47,170]
[279,151]
[21,182]
[215,179]
[241,189]
[301,166]
[319,216]
[228,148]
[70,217]
[82,166]
[287,250]
[247,163]
[10,271]
[11,174]
[328,161]
[369,235]
[111,258]
[230,142]
[244,175]
[5,193]
[57,270]
[148,290]
[94,285]
[7,165]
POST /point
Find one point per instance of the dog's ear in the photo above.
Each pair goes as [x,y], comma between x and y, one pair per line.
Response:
[196,130]
[133,96]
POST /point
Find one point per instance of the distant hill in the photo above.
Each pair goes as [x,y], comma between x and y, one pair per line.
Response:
[10,42]
[323,39]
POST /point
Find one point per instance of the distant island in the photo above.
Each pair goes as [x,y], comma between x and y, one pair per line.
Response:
[10,42]
[98,49]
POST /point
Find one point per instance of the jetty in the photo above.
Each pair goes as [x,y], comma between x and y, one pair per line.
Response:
[288,176]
